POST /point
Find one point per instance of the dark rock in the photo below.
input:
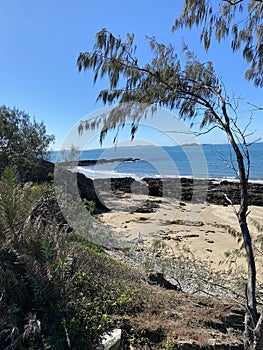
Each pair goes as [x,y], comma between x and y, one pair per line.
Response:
[157,278]
[155,187]
[186,223]
[68,183]
[167,238]
[91,162]
[123,184]
[183,189]
[193,235]
[148,207]
[217,193]
[187,189]
[36,170]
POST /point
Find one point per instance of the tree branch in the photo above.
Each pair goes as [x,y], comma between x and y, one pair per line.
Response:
[233,3]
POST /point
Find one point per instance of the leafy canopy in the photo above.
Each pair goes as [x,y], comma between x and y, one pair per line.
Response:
[20,138]
[239,19]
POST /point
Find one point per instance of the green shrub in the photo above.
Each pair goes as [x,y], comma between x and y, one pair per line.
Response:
[57,290]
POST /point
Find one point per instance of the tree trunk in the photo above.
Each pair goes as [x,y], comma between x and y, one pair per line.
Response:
[253,334]
[251,310]
[258,334]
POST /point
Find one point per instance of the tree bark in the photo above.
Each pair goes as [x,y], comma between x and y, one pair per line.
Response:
[258,334]
[253,334]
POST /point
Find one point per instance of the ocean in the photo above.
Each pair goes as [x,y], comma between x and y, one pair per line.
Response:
[215,161]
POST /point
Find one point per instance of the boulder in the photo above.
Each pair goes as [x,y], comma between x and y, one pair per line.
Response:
[35,170]
[111,340]
[69,183]
[157,278]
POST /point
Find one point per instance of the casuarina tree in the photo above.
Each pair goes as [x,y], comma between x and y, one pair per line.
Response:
[192,89]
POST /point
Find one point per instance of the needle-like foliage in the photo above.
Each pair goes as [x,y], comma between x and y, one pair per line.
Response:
[241,20]
[188,86]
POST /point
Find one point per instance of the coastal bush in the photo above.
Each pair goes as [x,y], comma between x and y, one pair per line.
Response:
[23,143]
[188,273]
[147,337]
[171,342]
[57,290]
[17,201]
[90,205]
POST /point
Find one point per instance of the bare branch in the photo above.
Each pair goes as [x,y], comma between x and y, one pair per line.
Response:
[231,203]
[233,3]
[256,108]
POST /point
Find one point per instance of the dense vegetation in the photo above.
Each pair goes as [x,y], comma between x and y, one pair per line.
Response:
[23,143]
[57,291]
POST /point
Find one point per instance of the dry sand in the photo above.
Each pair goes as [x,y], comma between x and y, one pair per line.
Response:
[203,228]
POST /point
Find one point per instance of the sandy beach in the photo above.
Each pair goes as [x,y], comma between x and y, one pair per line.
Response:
[203,229]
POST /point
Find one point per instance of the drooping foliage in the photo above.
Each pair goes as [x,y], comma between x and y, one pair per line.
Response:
[192,89]
[241,20]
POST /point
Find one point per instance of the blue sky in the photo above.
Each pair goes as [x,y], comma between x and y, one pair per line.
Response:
[41,40]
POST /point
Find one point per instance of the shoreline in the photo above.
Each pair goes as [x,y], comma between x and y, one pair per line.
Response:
[86,166]
[180,213]
[140,178]
[182,188]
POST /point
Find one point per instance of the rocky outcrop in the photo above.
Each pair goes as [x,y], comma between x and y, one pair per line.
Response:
[181,189]
[73,185]
[157,278]
[187,189]
[91,162]
[35,170]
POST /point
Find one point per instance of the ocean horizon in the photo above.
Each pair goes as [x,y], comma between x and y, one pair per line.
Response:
[213,161]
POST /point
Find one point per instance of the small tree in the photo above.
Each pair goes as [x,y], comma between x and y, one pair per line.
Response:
[21,141]
[195,91]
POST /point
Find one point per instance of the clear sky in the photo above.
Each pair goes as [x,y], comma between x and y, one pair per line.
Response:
[41,41]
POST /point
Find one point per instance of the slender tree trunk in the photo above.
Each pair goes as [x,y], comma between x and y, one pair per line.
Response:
[251,309]
[253,334]
[258,334]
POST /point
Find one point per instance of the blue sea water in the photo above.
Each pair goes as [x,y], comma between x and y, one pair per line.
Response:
[205,161]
